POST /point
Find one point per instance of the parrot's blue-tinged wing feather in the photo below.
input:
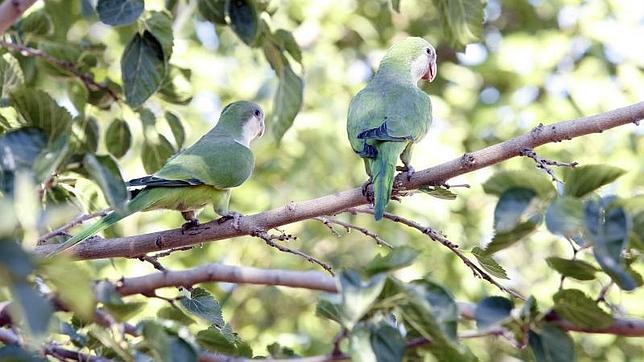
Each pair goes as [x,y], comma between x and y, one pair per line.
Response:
[381,133]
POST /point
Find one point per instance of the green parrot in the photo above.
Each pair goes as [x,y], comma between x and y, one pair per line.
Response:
[200,175]
[391,114]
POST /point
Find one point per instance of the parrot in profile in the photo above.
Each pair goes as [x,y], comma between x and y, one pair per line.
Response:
[391,114]
[200,175]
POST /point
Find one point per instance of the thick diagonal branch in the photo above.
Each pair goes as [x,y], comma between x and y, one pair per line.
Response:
[331,204]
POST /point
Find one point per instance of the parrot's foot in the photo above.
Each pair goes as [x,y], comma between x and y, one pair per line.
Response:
[366,192]
[408,170]
[234,216]
[190,224]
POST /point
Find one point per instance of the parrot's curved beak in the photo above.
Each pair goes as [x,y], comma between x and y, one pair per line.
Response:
[262,127]
[431,71]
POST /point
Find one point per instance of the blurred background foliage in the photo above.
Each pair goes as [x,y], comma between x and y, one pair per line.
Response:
[536,61]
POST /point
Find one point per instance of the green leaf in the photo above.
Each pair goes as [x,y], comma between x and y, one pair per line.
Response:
[18,151]
[143,67]
[387,343]
[73,286]
[438,192]
[432,312]
[397,258]
[156,153]
[119,12]
[37,109]
[608,227]
[50,159]
[213,10]
[30,309]
[175,314]
[85,135]
[551,344]
[582,180]
[461,20]
[182,351]
[511,207]
[37,23]
[215,340]
[10,75]
[579,309]
[492,311]
[287,101]
[118,138]
[360,345]
[395,4]
[157,341]
[529,311]
[203,305]
[489,264]
[177,88]
[577,269]
[15,263]
[533,180]
[329,307]
[177,128]
[288,43]
[278,351]
[124,312]
[159,24]
[357,296]
[244,19]
[107,175]
[565,217]
[506,239]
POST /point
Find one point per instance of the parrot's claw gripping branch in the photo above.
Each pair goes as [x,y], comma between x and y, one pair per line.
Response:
[234,216]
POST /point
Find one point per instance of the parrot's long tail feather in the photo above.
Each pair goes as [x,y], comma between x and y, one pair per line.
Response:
[139,203]
[383,169]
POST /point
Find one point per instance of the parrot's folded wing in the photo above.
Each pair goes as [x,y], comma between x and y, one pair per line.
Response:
[381,134]
[153,181]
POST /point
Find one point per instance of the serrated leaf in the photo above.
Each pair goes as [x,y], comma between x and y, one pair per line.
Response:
[118,138]
[37,109]
[105,171]
[510,208]
[203,305]
[492,311]
[143,67]
[213,10]
[582,180]
[489,264]
[357,296]
[73,286]
[154,155]
[177,128]
[159,24]
[177,88]
[329,308]
[533,180]
[579,309]
[551,344]
[119,12]
[288,43]
[287,101]
[461,20]
[565,217]
[10,75]
[438,192]
[506,239]
[397,258]
[244,19]
[608,227]
[577,269]
[216,340]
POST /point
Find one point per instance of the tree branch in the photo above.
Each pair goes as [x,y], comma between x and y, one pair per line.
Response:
[11,10]
[134,246]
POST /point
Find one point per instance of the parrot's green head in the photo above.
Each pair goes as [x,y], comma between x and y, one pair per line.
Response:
[243,120]
[414,55]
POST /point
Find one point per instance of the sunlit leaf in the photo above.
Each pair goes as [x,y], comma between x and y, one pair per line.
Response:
[214,340]
[287,101]
[504,240]
[579,309]
[119,12]
[577,269]
[329,308]
[118,138]
[177,128]
[565,217]
[37,109]
[581,180]
[10,74]
[489,264]
[357,295]
[155,154]
[73,286]
[462,20]
[438,192]
[397,258]
[203,305]
[533,180]
[37,23]
[159,24]
[174,314]
[288,43]
[107,175]
[278,351]
[213,10]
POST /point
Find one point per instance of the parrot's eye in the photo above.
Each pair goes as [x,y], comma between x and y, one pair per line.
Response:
[428,51]
[257,113]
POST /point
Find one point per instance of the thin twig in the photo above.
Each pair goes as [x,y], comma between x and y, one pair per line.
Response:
[440,237]
[270,241]
[75,221]
[544,164]
[154,261]
[328,221]
[86,78]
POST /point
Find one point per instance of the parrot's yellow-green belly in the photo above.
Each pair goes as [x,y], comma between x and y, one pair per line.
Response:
[186,198]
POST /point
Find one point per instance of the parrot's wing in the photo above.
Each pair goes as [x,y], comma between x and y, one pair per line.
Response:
[153,181]
[214,160]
